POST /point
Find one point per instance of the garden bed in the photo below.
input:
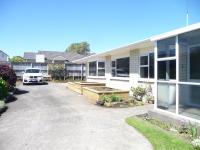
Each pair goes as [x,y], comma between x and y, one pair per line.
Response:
[78,86]
[120,104]
[158,136]
[168,133]
[95,92]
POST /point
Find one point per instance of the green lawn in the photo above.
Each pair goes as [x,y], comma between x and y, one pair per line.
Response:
[159,138]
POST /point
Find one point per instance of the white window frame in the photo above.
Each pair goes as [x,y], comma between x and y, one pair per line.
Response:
[170,81]
[99,68]
[89,69]
[144,66]
[148,65]
[115,60]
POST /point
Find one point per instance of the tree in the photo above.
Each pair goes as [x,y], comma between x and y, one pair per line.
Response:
[80,48]
[57,71]
[17,59]
[8,74]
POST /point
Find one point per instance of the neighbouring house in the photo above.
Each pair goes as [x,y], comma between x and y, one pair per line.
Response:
[168,62]
[45,59]
[3,56]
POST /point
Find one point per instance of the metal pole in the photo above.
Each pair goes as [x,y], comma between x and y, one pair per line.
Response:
[187,14]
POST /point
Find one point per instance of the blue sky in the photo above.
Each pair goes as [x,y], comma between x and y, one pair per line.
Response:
[32,25]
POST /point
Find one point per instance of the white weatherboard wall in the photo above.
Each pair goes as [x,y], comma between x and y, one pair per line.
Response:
[99,80]
[119,84]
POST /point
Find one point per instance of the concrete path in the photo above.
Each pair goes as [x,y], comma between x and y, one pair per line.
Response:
[50,117]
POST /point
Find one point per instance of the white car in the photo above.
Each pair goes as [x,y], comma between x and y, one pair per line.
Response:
[32,75]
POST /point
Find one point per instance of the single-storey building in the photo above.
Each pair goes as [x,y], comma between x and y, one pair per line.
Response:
[45,59]
[168,62]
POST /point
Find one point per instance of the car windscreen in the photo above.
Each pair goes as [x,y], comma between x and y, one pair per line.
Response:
[32,71]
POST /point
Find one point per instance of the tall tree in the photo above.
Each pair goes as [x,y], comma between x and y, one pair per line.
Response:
[17,59]
[80,48]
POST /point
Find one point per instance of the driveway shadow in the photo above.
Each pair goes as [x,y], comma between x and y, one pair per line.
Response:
[19,92]
[34,84]
[10,98]
[2,110]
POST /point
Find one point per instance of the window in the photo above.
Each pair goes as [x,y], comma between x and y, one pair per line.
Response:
[166,59]
[189,56]
[101,68]
[166,48]
[194,63]
[189,71]
[147,66]
[151,65]
[113,68]
[93,68]
[167,70]
[144,60]
[144,66]
[166,98]
[96,68]
[120,67]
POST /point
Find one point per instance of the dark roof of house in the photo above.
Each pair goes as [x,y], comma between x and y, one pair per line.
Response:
[29,55]
[54,55]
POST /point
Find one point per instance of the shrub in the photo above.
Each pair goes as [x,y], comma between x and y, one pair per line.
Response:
[138,92]
[57,71]
[105,98]
[3,88]
[110,98]
[149,95]
[8,74]
[115,98]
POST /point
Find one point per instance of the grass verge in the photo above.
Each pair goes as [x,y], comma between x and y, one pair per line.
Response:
[159,138]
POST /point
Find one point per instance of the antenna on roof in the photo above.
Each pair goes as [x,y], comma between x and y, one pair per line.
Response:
[187,13]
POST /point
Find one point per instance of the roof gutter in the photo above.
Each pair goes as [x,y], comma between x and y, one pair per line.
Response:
[176,32]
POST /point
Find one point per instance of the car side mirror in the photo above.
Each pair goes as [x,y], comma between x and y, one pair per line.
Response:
[23,72]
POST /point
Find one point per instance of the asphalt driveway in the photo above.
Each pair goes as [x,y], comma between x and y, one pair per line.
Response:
[51,117]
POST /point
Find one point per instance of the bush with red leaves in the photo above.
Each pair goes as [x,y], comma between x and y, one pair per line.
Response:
[8,74]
